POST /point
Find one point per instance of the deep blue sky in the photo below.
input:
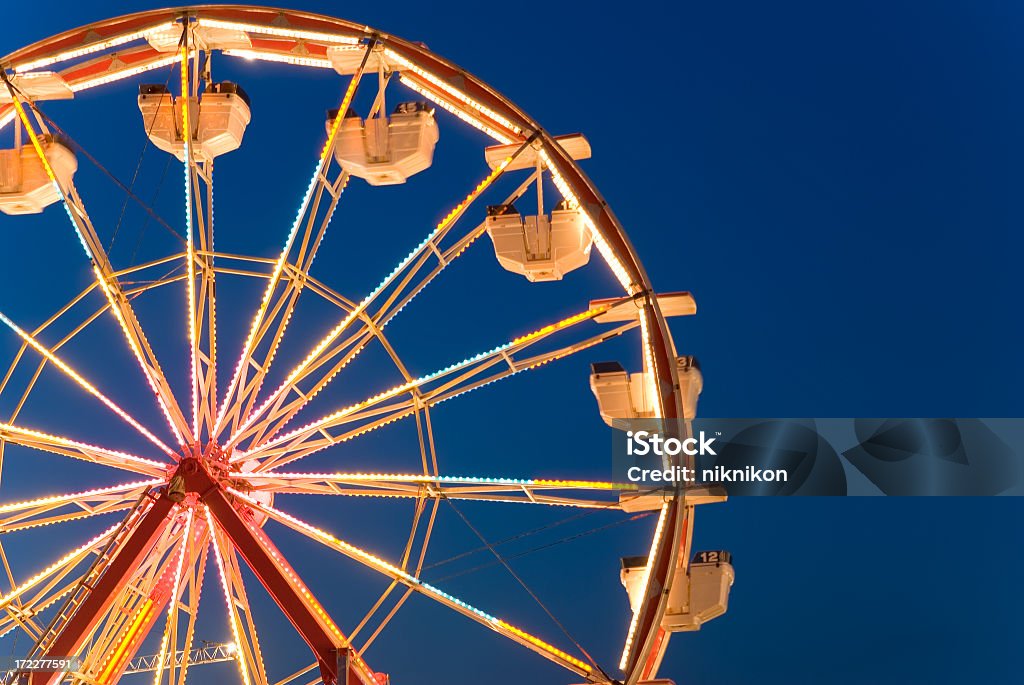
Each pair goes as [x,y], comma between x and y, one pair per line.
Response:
[838,184]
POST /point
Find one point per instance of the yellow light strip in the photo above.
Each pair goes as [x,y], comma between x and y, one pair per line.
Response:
[229,600]
[560,325]
[89,49]
[280,32]
[75,555]
[451,108]
[451,90]
[264,55]
[346,102]
[84,447]
[111,300]
[420,478]
[85,385]
[113,661]
[324,422]
[631,634]
[189,241]
[282,259]
[76,497]
[172,604]
[406,578]
[537,642]
[111,76]
[324,342]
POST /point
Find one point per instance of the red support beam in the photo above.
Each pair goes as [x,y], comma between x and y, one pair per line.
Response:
[329,644]
[98,602]
[156,608]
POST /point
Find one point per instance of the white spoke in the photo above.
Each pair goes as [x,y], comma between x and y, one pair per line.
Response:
[395,573]
[231,404]
[523,490]
[72,558]
[451,381]
[404,291]
[103,273]
[86,385]
[249,656]
[324,344]
[79,450]
[190,261]
[43,511]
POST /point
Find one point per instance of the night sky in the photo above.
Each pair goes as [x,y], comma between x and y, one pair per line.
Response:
[838,185]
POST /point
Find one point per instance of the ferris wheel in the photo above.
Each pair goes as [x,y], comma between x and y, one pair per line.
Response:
[220,466]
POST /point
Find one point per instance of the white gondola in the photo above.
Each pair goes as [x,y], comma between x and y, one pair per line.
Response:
[25,187]
[623,396]
[698,595]
[541,248]
[386,151]
[218,119]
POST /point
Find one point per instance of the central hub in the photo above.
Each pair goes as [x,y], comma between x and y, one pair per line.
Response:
[205,469]
[208,452]
[200,469]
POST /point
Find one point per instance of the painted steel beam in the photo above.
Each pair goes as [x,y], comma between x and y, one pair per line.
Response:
[98,602]
[239,523]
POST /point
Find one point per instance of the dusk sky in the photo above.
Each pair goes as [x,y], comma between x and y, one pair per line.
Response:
[839,185]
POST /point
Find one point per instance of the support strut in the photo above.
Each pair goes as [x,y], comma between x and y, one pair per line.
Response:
[102,595]
[238,521]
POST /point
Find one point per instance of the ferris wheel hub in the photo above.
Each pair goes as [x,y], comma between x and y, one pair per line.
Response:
[197,472]
[200,472]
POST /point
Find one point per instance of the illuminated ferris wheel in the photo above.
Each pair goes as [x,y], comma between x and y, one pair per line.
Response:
[224,461]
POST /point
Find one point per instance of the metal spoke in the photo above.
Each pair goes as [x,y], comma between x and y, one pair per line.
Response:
[43,511]
[131,292]
[249,655]
[457,379]
[238,390]
[103,273]
[193,539]
[283,305]
[199,553]
[24,612]
[529,491]
[405,289]
[395,573]
[170,636]
[325,343]
[79,450]
[404,566]
[86,385]
[428,457]
[72,558]
[191,177]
